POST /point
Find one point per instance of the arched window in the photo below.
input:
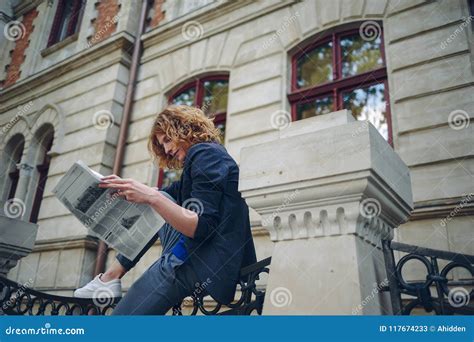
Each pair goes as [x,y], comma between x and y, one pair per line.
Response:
[43,139]
[12,157]
[208,93]
[343,70]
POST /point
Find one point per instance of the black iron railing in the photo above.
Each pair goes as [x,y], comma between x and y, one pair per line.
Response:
[17,299]
[251,297]
[441,292]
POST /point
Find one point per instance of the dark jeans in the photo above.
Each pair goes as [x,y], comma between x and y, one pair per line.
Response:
[165,283]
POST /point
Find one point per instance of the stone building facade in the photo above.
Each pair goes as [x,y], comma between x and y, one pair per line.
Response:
[53,89]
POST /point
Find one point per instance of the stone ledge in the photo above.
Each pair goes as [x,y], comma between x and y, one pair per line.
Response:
[121,41]
[17,238]
[59,45]
[442,208]
[87,242]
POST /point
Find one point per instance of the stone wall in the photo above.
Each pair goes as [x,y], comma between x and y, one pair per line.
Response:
[427,82]
[251,41]
[84,85]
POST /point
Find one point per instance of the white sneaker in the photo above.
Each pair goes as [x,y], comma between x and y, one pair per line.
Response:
[97,288]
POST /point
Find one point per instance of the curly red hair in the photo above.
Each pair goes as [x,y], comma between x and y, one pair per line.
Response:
[184,126]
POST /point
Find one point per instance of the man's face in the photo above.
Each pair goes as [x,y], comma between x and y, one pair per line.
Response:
[170,148]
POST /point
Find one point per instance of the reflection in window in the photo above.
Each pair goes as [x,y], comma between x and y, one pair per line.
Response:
[369,103]
[315,66]
[66,20]
[319,106]
[215,97]
[221,127]
[170,176]
[208,93]
[359,55]
[342,71]
[186,97]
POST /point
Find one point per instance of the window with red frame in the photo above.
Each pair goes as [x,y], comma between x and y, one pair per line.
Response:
[343,70]
[208,93]
[66,20]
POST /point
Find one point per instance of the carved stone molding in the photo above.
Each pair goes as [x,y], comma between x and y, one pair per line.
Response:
[329,190]
[302,190]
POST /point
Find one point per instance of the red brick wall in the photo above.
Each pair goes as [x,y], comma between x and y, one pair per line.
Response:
[18,53]
[105,24]
[158,14]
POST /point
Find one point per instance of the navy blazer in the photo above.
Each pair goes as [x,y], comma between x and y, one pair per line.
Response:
[222,242]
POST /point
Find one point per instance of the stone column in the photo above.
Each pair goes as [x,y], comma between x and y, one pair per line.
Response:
[328,191]
[26,171]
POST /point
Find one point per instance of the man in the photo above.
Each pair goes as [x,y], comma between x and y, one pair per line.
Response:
[208,245]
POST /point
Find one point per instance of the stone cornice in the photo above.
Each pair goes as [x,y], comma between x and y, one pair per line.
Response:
[258,230]
[173,28]
[5,17]
[442,208]
[16,236]
[368,209]
[121,41]
[86,242]
[25,6]
[327,192]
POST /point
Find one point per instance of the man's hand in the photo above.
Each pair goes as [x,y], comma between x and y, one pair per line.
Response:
[181,219]
[129,189]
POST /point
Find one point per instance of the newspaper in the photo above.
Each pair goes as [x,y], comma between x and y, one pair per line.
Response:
[125,226]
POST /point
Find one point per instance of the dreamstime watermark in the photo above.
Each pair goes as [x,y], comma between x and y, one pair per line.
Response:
[22,111]
[103,31]
[193,204]
[376,290]
[46,330]
[19,292]
[92,219]
[198,291]
[280,119]
[117,236]
[370,30]
[370,208]
[287,21]
[281,297]
[14,30]
[14,208]
[466,199]
[102,297]
[192,30]
[288,199]
[361,128]
[103,119]
[466,21]
[458,297]
[458,119]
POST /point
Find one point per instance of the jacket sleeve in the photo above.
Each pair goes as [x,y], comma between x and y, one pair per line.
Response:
[172,190]
[209,173]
